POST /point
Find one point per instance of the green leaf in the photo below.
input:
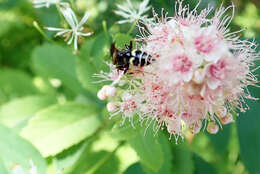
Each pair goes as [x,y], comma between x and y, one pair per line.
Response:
[22,109]
[182,159]
[121,39]
[53,61]
[3,169]
[126,131]
[203,167]
[15,150]
[88,160]
[48,17]
[7,21]
[167,153]
[149,149]
[135,168]
[167,156]
[69,157]
[91,61]
[221,139]
[111,166]
[59,127]
[248,133]
[15,83]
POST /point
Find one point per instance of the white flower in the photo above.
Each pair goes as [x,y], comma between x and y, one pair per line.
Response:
[75,27]
[132,14]
[33,169]
[19,170]
[46,3]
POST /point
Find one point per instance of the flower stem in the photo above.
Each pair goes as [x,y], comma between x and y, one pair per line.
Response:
[132,27]
[104,24]
[36,25]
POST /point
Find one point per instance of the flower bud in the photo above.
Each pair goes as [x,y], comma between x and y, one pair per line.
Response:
[111,107]
[101,94]
[174,126]
[196,127]
[227,119]
[212,128]
[109,90]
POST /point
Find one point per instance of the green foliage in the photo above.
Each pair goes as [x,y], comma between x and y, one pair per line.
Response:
[220,141]
[203,167]
[69,157]
[122,39]
[10,154]
[15,83]
[53,61]
[134,168]
[182,159]
[22,109]
[248,134]
[125,131]
[91,61]
[149,149]
[3,169]
[167,157]
[68,124]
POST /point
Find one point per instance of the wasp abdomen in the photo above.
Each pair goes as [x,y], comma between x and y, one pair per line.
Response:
[140,58]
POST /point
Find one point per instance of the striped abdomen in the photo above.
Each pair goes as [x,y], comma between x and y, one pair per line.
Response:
[139,58]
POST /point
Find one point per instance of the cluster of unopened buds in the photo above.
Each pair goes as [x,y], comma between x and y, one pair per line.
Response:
[199,77]
[107,91]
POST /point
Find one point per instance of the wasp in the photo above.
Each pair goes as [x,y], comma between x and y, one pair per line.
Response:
[125,58]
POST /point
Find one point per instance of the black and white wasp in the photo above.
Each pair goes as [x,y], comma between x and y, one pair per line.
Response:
[125,58]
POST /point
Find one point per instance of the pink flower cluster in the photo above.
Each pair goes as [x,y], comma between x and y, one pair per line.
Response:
[200,75]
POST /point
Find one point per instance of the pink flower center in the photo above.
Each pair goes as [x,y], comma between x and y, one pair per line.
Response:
[169,114]
[159,94]
[204,44]
[218,70]
[129,105]
[181,64]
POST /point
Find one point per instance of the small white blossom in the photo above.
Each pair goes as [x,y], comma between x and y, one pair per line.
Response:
[33,169]
[19,170]
[46,3]
[132,14]
[75,27]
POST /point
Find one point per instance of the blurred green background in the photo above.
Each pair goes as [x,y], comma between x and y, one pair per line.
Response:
[49,111]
